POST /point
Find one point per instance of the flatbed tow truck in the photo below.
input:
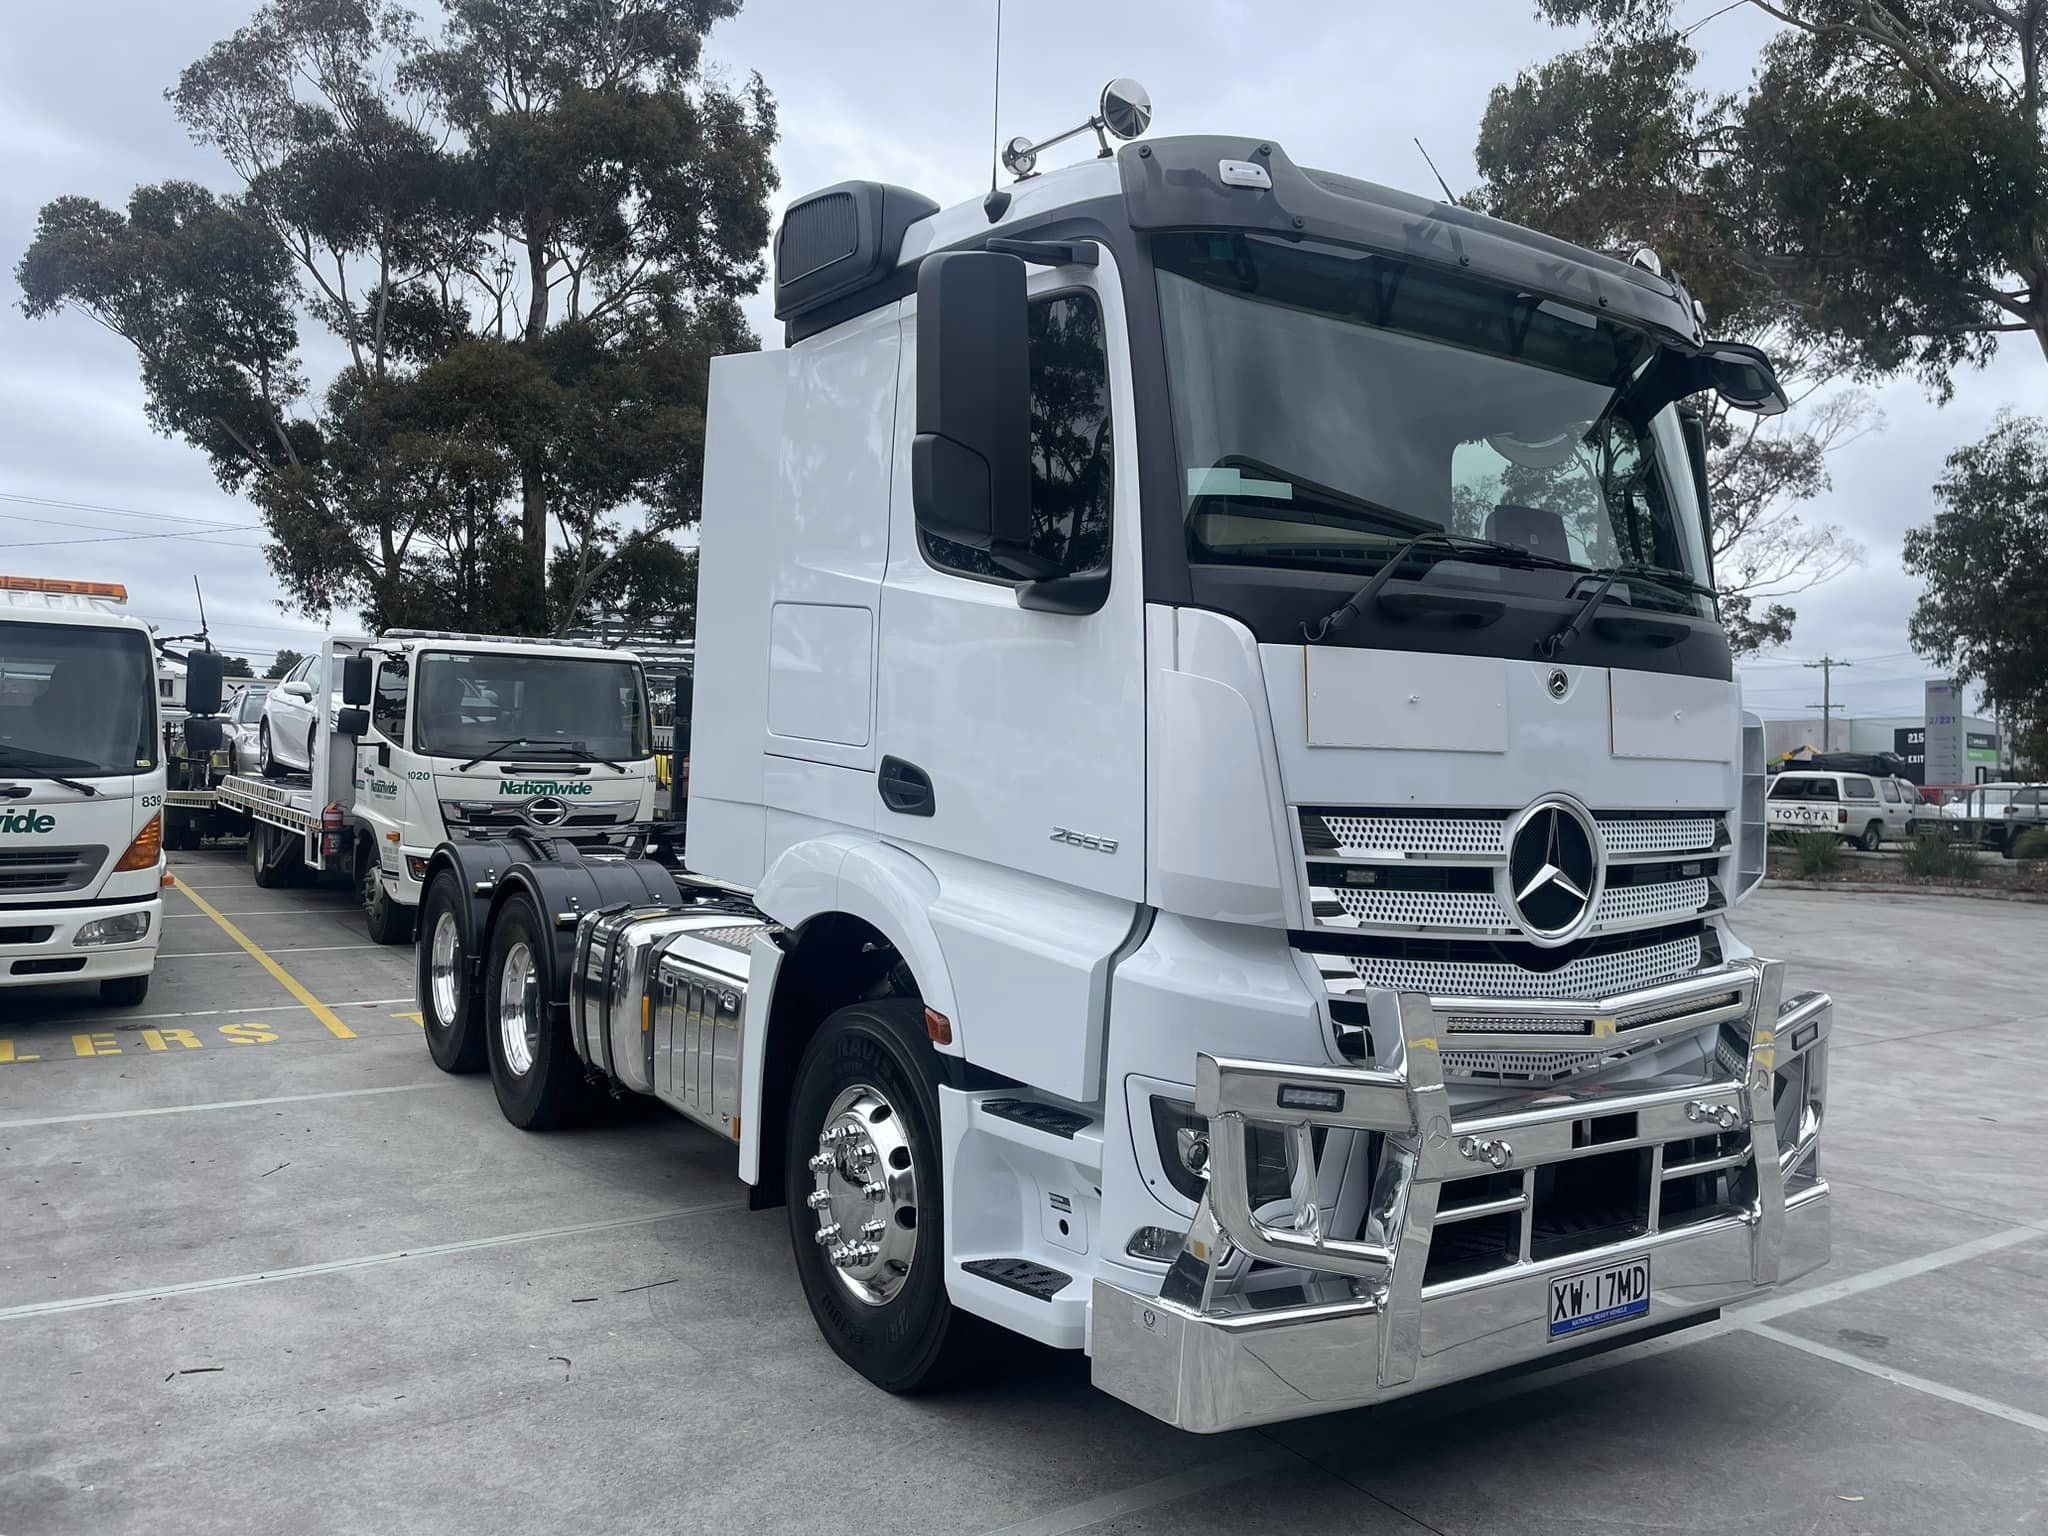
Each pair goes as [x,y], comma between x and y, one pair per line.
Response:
[438,734]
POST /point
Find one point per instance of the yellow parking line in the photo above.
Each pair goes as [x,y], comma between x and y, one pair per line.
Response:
[283,977]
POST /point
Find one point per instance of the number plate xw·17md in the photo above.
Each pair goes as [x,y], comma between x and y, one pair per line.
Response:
[1593,1298]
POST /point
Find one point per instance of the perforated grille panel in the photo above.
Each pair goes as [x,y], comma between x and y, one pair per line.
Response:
[1588,976]
[1653,903]
[1358,834]
[1662,834]
[1523,1066]
[1479,910]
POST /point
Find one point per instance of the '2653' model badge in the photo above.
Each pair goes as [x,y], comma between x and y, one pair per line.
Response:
[1083,840]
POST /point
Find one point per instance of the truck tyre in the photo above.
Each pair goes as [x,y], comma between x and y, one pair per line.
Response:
[1872,838]
[266,761]
[866,1215]
[448,1003]
[181,830]
[389,922]
[265,867]
[533,1066]
[123,991]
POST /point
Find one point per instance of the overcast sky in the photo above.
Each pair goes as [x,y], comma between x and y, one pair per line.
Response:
[896,90]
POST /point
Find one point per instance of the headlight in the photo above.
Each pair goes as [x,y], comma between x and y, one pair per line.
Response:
[123,929]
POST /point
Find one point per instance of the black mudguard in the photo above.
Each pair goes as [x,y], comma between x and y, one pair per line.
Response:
[561,882]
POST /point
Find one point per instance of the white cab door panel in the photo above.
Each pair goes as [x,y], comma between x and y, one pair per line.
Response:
[1030,726]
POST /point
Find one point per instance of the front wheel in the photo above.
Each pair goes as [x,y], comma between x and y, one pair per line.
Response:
[866,1216]
[533,1067]
[266,760]
[124,991]
[389,922]
[448,1004]
[1872,838]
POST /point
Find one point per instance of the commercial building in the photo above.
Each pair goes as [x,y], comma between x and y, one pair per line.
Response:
[1940,745]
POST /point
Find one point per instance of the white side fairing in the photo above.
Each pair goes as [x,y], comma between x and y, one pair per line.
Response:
[796,526]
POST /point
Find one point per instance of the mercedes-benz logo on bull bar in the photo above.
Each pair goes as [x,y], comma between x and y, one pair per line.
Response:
[547,811]
[1554,871]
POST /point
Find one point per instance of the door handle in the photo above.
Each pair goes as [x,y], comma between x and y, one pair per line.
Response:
[384,754]
[906,788]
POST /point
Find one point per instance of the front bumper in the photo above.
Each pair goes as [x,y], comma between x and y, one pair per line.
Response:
[1361,1320]
[45,954]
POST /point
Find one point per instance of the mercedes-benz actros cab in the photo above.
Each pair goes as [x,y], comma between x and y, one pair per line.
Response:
[1218,794]
[81,790]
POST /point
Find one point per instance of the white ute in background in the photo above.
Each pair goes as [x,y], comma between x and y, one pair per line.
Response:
[81,790]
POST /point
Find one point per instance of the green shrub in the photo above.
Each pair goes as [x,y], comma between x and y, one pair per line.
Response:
[1816,854]
[1934,857]
[2033,845]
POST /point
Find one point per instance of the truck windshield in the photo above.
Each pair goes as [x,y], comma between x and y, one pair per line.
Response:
[75,700]
[1330,403]
[470,704]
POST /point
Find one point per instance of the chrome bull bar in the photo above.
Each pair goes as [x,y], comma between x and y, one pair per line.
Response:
[1377,1277]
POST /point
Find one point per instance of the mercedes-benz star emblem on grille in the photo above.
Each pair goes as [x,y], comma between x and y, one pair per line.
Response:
[547,811]
[1554,873]
[1559,682]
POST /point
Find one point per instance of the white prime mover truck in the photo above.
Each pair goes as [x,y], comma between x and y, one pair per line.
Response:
[81,789]
[1218,789]
[434,734]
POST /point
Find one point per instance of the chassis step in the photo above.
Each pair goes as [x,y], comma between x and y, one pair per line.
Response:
[1036,1280]
[1049,1118]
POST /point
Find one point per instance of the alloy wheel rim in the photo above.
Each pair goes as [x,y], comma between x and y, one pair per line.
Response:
[517,1028]
[442,960]
[864,1194]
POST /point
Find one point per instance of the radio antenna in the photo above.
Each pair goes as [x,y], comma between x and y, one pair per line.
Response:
[1439,175]
[997,203]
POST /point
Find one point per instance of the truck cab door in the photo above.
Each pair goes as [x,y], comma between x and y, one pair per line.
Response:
[1009,734]
[381,787]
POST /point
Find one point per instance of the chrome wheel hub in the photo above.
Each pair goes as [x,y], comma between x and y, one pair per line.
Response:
[518,1011]
[864,1193]
[444,958]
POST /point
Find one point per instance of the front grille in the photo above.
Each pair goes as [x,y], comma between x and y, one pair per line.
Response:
[1429,872]
[26,870]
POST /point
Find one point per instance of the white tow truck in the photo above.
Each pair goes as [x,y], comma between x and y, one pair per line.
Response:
[437,734]
[81,789]
[1218,789]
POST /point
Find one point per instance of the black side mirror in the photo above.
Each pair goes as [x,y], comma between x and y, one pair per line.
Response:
[970,462]
[353,721]
[202,737]
[202,682]
[355,681]
[1744,377]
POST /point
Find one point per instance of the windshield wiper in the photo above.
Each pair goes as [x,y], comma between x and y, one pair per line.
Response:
[578,751]
[1555,642]
[20,756]
[1490,550]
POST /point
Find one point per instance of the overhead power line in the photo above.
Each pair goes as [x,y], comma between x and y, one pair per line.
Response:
[160,517]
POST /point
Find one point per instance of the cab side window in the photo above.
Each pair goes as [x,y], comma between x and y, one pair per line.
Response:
[1891,791]
[387,704]
[1071,477]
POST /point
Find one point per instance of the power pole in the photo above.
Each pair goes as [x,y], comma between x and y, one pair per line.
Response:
[1827,665]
